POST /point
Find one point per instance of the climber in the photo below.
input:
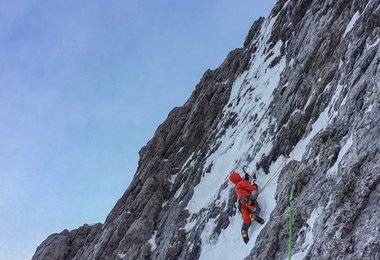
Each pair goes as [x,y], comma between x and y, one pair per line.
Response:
[246,194]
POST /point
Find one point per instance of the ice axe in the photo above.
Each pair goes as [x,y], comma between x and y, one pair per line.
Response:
[249,175]
[251,179]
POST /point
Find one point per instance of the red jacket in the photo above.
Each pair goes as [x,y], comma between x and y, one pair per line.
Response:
[242,187]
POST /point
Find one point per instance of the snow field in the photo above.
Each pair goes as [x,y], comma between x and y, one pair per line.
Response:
[251,94]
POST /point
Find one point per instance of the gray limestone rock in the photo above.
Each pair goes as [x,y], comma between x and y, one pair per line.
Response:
[331,71]
[66,244]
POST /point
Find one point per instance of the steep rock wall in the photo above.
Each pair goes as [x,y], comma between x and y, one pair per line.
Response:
[303,90]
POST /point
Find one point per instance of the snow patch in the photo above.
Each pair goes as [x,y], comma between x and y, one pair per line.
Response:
[190,225]
[369,109]
[309,236]
[206,235]
[173,178]
[292,62]
[152,241]
[321,123]
[229,244]
[351,24]
[178,192]
[286,3]
[121,255]
[373,44]
[334,169]
[205,192]
[189,163]
[334,101]
[318,125]
[186,164]
[340,64]
[329,203]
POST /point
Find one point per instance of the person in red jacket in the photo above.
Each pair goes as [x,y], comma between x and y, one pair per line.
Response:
[246,194]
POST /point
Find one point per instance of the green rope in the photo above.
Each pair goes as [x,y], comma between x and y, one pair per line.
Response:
[291,215]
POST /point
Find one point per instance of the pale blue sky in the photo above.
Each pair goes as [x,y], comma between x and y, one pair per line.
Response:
[83,86]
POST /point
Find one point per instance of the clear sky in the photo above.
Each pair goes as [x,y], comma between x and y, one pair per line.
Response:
[83,86]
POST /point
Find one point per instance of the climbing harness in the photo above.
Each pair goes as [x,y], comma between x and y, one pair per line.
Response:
[254,178]
[247,200]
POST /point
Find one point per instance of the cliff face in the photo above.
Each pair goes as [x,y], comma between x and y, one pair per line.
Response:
[299,105]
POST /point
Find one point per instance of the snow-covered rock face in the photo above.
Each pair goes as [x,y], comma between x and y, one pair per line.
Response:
[298,105]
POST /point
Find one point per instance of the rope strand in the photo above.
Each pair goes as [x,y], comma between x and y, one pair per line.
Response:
[282,215]
[277,172]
